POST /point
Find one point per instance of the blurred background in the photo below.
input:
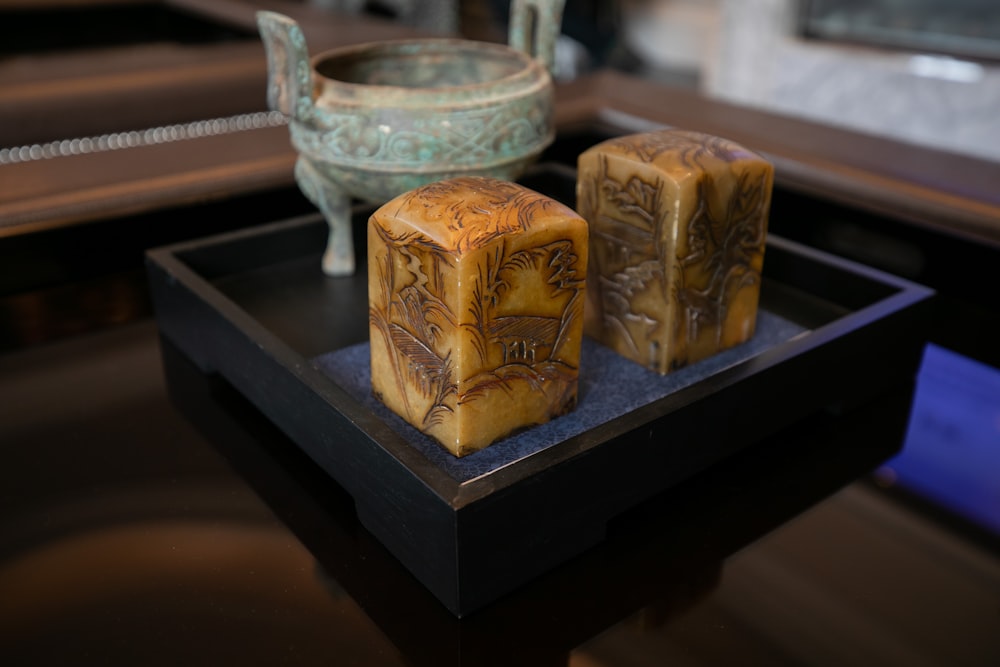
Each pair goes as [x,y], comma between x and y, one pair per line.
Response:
[924,71]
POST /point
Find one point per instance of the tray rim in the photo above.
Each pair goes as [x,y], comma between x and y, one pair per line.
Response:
[459,495]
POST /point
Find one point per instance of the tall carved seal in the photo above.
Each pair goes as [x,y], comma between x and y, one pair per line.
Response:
[476,290]
[678,222]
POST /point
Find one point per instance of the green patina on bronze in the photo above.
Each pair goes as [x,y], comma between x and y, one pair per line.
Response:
[375,120]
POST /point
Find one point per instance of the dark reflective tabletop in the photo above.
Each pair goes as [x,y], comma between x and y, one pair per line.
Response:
[150,515]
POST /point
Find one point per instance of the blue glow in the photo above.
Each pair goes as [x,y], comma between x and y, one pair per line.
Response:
[952,450]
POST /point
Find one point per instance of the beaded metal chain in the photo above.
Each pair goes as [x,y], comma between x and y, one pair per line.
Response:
[136,138]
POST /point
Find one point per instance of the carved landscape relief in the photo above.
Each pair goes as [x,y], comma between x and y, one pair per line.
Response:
[488,312]
[671,252]
[627,259]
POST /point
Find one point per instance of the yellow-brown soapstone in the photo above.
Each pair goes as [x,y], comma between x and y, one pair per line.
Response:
[476,291]
[678,221]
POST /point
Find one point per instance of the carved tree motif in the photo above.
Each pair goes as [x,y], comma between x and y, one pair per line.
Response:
[411,321]
[683,258]
[477,307]
[640,201]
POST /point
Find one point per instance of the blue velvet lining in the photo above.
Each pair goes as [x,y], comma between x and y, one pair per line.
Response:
[610,386]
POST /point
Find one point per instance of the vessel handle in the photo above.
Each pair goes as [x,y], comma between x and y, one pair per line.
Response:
[534,28]
[289,79]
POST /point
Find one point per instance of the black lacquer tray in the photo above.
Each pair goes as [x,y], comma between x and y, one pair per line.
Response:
[666,555]
[254,307]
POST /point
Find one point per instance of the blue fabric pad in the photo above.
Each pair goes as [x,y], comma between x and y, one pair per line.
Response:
[610,386]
